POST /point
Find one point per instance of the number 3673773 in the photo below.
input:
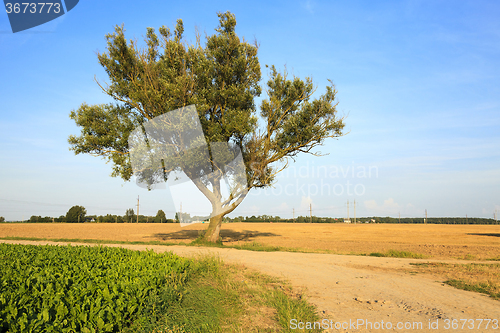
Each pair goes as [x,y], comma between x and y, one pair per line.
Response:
[32,8]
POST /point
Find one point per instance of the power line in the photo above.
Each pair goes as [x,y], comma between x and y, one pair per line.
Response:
[354,211]
[137,209]
[310,213]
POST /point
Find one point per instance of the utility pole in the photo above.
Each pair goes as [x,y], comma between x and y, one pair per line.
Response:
[496,217]
[180,214]
[347,209]
[137,221]
[310,213]
[466,219]
[425,221]
[399,217]
[354,211]
[293,214]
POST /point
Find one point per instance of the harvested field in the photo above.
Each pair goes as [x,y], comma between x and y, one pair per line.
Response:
[474,242]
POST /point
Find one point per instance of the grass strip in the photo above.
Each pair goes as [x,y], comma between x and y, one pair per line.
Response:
[254,246]
[398,254]
[481,278]
[228,298]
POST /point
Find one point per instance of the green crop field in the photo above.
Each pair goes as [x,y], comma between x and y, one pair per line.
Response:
[107,289]
[82,289]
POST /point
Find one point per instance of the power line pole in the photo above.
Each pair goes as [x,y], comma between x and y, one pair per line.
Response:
[354,211]
[310,213]
[293,214]
[399,217]
[348,210]
[137,221]
[425,220]
[496,217]
[466,219]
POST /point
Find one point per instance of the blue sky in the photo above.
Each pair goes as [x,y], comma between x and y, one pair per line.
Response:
[419,82]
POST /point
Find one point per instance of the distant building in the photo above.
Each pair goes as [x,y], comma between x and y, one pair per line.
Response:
[347,220]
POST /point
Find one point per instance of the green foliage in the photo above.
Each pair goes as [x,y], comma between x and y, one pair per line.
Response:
[39,219]
[433,220]
[76,214]
[221,78]
[2,219]
[83,289]
[288,308]
[484,288]
[398,254]
[160,217]
[129,216]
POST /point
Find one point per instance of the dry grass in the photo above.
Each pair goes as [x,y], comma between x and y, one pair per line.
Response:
[483,278]
[471,242]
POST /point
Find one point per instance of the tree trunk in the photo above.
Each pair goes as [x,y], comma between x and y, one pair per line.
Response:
[213,230]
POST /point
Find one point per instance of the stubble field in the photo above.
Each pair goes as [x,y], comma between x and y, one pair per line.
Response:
[472,242]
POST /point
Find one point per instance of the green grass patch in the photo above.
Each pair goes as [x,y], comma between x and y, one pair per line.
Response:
[254,246]
[484,288]
[482,278]
[398,254]
[91,241]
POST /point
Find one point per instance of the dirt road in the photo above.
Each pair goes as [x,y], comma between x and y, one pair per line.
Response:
[351,290]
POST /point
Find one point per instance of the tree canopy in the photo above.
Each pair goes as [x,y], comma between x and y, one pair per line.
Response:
[76,214]
[221,79]
[160,217]
[129,215]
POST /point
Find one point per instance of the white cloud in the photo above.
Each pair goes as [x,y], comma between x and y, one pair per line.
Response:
[283,208]
[305,203]
[389,207]
[309,6]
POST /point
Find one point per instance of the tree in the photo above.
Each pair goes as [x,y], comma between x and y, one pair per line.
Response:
[76,214]
[2,219]
[220,78]
[35,219]
[160,217]
[129,215]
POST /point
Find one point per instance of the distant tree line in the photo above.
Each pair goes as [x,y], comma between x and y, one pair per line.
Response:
[270,218]
[78,214]
[434,220]
[373,219]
